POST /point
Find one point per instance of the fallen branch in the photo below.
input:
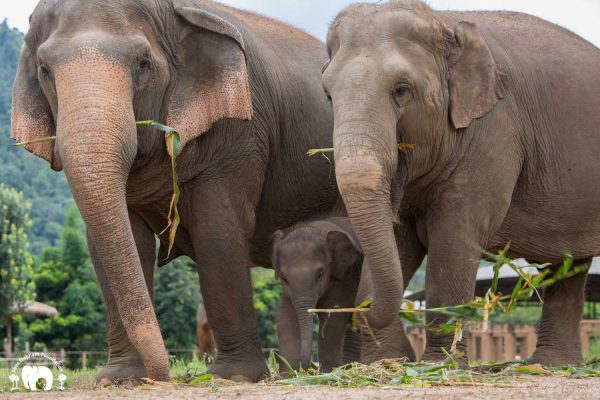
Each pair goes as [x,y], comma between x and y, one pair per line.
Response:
[479,308]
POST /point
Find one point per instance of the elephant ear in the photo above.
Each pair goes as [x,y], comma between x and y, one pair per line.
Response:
[475,82]
[275,239]
[345,253]
[212,77]
[31,114]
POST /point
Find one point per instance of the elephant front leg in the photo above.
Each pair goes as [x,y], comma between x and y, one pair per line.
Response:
[288,332]
[352,346]
[559,340]
[332,330]
[124,363]
[450,280]
[223,224]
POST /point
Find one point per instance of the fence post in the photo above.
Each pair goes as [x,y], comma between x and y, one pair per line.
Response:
[84,360]
[63,357]
[510,345]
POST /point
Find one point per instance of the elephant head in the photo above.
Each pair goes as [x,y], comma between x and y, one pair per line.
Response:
[307,260]
[399,72]
[87,72]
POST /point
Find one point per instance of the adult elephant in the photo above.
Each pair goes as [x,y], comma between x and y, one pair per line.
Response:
[244,93]
[505,114]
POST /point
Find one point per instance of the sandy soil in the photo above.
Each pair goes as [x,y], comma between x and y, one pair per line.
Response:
[530,388]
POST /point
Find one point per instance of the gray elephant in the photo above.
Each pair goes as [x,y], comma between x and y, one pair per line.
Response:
[320,265]
[243,91]
[503,110]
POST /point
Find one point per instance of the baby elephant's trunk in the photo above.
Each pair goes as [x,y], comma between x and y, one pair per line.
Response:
[305,322]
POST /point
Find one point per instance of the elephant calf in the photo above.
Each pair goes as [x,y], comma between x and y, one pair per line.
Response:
[320,265]
[204,334]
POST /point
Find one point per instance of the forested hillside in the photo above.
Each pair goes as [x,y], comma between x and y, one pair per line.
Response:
[47,190]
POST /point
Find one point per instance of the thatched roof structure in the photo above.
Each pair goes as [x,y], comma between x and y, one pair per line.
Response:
[36,308]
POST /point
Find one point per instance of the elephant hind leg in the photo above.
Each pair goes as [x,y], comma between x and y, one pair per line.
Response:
[559,340]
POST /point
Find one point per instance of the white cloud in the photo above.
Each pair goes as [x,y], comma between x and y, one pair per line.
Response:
[314,16]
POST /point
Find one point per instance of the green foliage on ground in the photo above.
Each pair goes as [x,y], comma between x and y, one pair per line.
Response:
[16,286]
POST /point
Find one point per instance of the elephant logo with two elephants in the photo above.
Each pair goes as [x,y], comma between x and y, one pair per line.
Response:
[37,377]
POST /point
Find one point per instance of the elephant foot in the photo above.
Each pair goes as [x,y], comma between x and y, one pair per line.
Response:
[248,371]
[121,372]
[436,357]
[554,357]
[388,352]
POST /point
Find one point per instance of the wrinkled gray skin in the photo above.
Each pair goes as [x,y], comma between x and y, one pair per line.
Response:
[245,94]
[319,264]
[504,111]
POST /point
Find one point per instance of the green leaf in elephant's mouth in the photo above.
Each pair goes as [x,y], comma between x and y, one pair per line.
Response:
[172,140]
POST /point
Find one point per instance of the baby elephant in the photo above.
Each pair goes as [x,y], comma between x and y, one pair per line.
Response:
[319,264]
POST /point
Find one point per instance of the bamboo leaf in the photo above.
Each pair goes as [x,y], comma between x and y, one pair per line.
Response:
[172,140]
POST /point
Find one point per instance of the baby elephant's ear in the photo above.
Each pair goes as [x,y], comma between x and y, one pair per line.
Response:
[277,236]
[211,78]
[345,253]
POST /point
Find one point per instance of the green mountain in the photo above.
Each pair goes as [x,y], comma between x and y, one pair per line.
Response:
[47,190]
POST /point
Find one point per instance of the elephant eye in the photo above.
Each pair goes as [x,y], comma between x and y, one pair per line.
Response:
[142,71]
[284,280]
[402,94]
[320,275]
[44,70]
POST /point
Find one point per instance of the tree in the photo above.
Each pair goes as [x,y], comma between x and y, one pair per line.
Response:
[16,284]
[176,297]
[47,190]
[65,279]
[267,292]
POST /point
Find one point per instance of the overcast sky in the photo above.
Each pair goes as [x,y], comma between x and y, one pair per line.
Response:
[314,16]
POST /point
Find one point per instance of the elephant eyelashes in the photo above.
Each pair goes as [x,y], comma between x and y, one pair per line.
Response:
[142,71]
[402,94]
[44,71]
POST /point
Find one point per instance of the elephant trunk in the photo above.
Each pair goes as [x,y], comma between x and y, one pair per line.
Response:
[305,322]
[366,156]
[97,143]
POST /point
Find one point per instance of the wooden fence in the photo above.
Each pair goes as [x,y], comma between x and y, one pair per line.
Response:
[88,359]
[501,343]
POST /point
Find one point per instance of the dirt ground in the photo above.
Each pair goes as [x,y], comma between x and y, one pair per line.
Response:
[555,388]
